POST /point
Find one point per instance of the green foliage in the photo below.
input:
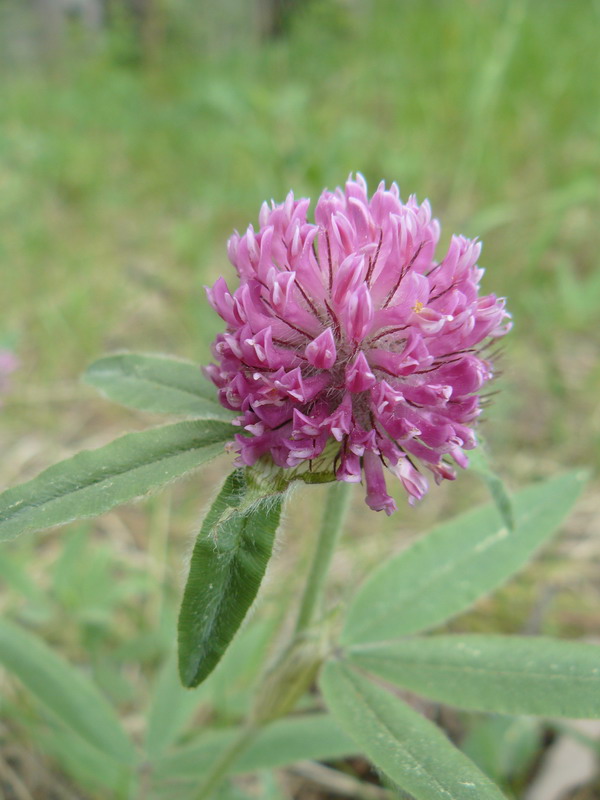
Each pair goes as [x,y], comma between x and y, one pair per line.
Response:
[479,462]
[171,709]
[412,751]
[16,579]
[95,481]
[83,582]
[505,748]
[448,570]
[506,674]
[435,579]
[156,383]
[296,738]
[226,691]
[232,685]
[228,564]
[64,690]
[85,764]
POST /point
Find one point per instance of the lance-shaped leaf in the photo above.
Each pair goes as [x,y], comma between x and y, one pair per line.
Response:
[95,481]
[446,571]
[412,751]
[64,690]
[85,765]
[506,674]
[228,564]
[156,383]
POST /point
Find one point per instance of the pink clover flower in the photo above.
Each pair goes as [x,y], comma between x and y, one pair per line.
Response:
[347,341]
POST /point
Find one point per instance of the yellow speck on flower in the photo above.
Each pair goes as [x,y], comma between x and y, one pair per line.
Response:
[417,306]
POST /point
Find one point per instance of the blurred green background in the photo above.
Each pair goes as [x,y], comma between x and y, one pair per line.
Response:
[135,135]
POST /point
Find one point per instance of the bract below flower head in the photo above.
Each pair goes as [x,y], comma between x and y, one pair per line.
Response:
[346,339]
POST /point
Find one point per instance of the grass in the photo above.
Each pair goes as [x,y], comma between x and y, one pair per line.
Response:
[121,180]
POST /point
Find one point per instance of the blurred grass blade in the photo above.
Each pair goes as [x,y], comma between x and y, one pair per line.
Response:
[224,692]
[15,569]
[156,383]
[505,748]
[171,709]
[232,684]
[412,752]
[64,690]
[487,88]
[95,481]
[505,674]
[479,463]
[449,569]
[90,769]
[305,737]
[228,564]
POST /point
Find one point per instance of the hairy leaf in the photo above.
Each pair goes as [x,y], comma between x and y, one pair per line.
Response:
[507,674]
[413,752]
[228,564]
[446,571]
[95,481]
[156,383]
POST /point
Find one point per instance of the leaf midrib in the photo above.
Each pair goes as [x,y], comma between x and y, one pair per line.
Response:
[476,670]
[415,760]
[231,554]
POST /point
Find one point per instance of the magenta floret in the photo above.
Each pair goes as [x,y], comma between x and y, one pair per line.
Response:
[347,331]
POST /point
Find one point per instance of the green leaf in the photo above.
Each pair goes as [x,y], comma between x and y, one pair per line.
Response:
[480,463]
[505,748]
[232,684]
[413,752]
[85,765]
[446,571]
[226,689]
[64,690]
[171,709]
[156,383]
[300,738]
[228,564]
[507,674]
[95,481]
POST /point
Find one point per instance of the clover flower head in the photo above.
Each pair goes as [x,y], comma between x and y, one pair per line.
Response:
[347,342]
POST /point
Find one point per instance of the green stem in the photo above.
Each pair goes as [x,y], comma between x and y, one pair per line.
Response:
[220,768]
[335,511]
